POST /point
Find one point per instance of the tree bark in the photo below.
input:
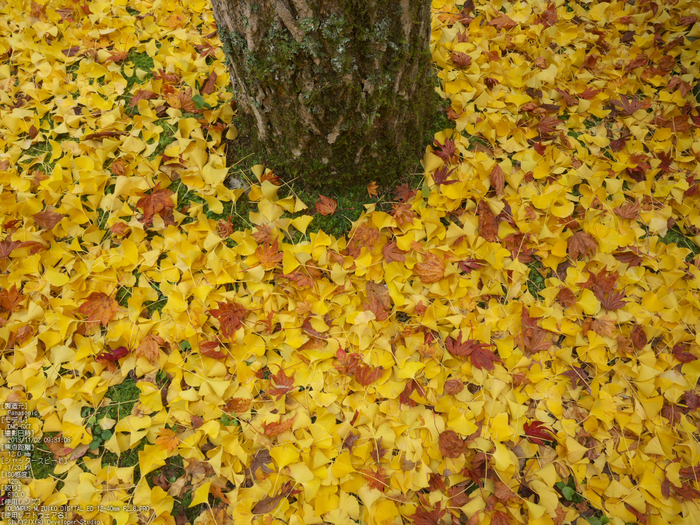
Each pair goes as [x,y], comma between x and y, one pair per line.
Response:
[337,92]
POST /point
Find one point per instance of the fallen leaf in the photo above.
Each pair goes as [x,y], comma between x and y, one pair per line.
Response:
[100,308]
[326,205]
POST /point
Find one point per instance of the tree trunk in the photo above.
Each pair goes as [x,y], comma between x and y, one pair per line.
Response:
[337,92]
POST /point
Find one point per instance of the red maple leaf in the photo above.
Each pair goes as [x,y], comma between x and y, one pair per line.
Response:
[447,151]
[231,316]
[440,176]
[547,126]
[366,375]
[630,105]
[209,349]
[578,377]
[468,265]
[348,363]
[283,384]
[424,516]
[477,352]
[536,432]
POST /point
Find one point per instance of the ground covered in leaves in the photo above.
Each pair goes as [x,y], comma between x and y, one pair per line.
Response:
[512,340]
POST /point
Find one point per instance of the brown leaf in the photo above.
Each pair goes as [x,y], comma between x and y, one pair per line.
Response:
[230,315]
[453,387]
[71,51]
[581,244]
[431,270]
[424,516]
[639,337]
[119,167]
[566,297]
[604,326]
[461,60]
[267,505]
[119,228]
[366,375]
[262,234]
[325,205]
[103,134]
[48,218]
[500,518]
[99,307]
[547,125]
[209,84]
[403,213]
[497,179]
[629,210]
[451,445]
[488,225]
[141,94]
[393,253]
[149,348]
[503,22]
[404,193]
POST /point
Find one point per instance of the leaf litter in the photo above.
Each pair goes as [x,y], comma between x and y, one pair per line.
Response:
[405,373]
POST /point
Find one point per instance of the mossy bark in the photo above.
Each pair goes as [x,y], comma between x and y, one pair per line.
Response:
[337,92]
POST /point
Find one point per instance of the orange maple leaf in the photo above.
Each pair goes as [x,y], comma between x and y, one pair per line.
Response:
[10,299]
[149,348]
[159,202]
[278,427]
[372,189]
[231,316]
[325,205]
[167,440]
[269,254]
[283,384]
[431,270]
[99,307]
